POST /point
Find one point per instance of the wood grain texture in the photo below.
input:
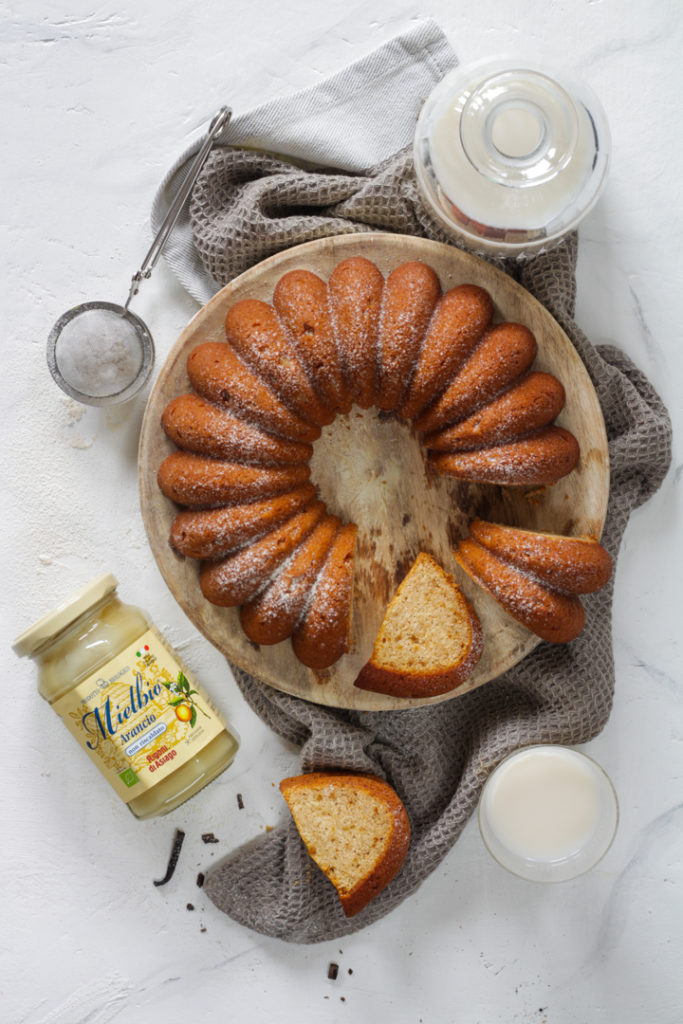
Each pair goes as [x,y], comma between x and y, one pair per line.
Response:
[371,469]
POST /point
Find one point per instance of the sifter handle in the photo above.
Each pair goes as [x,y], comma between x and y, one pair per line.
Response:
[219,122]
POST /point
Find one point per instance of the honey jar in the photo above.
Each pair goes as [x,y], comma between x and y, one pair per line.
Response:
[128,700]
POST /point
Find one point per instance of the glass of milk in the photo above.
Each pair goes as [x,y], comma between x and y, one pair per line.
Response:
[510,158]
[548,813]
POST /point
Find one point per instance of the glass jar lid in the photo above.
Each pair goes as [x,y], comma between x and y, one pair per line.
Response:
[509,157]
[53,622]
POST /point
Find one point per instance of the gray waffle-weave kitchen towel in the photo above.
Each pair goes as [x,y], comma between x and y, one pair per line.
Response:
[247,205]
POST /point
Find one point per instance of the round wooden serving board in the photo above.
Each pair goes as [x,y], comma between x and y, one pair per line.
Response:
[371,470]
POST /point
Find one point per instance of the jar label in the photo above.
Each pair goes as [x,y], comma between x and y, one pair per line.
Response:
[140,716]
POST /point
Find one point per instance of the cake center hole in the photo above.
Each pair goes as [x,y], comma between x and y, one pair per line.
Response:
[371,469]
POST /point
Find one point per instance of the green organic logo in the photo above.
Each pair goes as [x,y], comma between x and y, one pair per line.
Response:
[128,777]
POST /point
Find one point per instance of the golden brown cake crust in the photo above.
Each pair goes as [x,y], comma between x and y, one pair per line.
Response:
[217,373]
[542,458]
[237,578]
[355,301]
[552,615]
[411,294]
[532,403]
[212,533]
[253,329]
[577,565]
[503,354]
[324,632]
[300,300]
[199,426]
[458,324]
[273,615]
[198,481]
[395,846]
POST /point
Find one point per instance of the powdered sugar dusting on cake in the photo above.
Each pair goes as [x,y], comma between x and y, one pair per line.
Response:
[355,300]
[410,298]
[278,608]
[238,577]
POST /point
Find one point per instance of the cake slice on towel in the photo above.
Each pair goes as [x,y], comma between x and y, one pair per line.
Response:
[355,828]
[430,638]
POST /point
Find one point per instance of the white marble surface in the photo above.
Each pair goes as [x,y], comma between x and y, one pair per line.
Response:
[98,99]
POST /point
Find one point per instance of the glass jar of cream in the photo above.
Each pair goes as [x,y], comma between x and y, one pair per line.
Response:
[510,158]
[127,699]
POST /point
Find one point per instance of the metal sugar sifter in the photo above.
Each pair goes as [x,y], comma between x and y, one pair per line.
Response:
[101,353]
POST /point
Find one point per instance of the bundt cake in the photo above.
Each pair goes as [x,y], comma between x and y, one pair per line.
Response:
[355,828]
[536,576]
[430,638]
[260,398]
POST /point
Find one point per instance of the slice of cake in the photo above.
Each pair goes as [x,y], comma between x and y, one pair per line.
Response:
[355,828]
[430,638]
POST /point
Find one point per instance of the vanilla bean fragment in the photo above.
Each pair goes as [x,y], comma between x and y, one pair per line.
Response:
[173,859]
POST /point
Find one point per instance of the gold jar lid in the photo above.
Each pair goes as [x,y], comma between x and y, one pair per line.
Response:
[53,622]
